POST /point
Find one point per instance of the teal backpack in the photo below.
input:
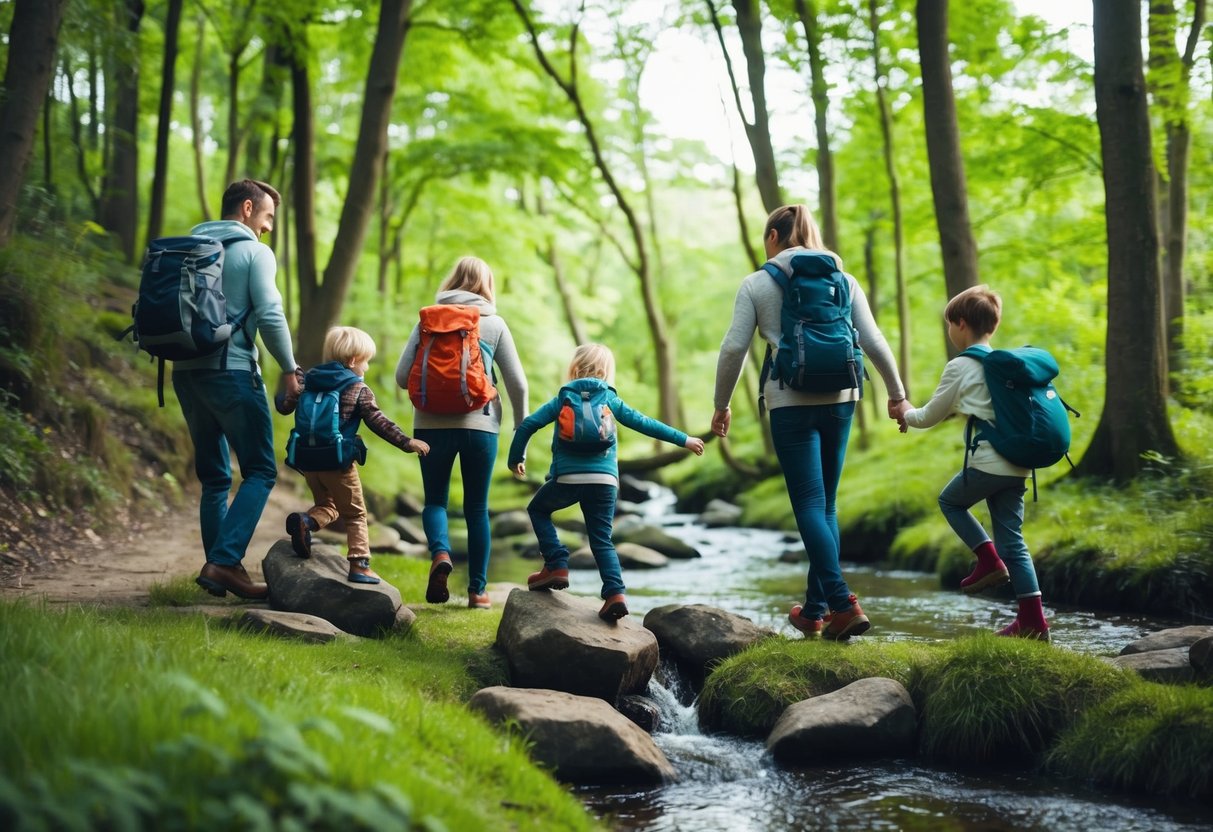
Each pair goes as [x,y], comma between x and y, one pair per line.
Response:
[319,441]
[585,423]
[818,349]
[1031,427]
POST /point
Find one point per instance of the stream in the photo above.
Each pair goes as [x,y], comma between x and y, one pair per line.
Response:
[728,783]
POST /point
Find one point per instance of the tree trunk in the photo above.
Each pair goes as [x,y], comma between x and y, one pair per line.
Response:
[303,181]
[1134,419]
[32,38]
[172,24]
[807,11]
[316,316]
[663,347]
[890,167]
[78,139]
[120,195]
[549,253]
[196,120]
[48,150]
[956,241]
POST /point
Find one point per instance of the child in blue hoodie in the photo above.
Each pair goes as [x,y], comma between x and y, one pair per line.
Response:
[338,493]
[585,469]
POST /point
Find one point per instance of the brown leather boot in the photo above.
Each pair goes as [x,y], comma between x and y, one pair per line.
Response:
[219,580]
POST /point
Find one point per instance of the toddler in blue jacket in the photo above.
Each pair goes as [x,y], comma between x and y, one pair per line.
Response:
[585,469]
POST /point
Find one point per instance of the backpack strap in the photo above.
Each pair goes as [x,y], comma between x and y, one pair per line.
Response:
[781,280]
[160,381]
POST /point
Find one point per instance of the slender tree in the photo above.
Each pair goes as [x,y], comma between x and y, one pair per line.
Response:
[172,24]
[1134,419]
[196,119]
[956,240]
[806,10]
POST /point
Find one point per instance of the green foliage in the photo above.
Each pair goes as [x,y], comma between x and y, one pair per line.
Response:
[995,700]
[1149,738]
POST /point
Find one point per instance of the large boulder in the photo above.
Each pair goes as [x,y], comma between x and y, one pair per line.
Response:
[697,636]
[1169,665]
[655,538]
[1168,639]
[556,640]
[582,739]
[318,586]
[867,718]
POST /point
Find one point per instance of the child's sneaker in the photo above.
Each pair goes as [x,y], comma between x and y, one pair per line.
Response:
[614,608]
[1017,630]
[479,601]
[300,527]
[809,626]
[436,591]
[985,575]
[848,623]
[360,572]
[548,579]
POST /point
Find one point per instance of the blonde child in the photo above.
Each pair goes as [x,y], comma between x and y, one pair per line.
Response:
[972,318]
[338,493]
[585,469]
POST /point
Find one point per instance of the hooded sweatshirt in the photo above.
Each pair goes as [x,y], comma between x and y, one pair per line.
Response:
[249,267]
[571,464]
[357,401]
[758,305]
[496,336]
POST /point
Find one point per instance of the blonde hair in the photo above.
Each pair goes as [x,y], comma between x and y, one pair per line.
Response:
[471,274]
[794,226]
[346,344]
[978,306]
[593,361]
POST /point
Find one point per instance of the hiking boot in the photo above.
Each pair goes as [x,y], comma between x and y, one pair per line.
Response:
[436,591]
[614,608]
[985,575]
[848,623]
[361,573]
[1017,630]
[809,626]
[479,601]
[219,580]
[300,527]
[548,579]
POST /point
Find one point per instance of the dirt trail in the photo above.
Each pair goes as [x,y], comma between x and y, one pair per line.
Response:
[119,569]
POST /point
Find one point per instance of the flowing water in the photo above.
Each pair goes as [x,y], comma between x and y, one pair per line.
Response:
[727,783]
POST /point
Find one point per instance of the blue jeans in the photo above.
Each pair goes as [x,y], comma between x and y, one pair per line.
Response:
[811,444]
[1004,498]
[477,451]
[227,408]
[598,508]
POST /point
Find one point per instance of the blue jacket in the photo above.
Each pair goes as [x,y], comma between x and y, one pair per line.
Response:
[607,462]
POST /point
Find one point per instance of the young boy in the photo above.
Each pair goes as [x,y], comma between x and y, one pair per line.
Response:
[338,493]
[972,318]
[585,470]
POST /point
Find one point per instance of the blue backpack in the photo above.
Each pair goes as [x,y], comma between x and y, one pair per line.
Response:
[1031,428]
[319,441]
[585,423]
[181,312]
[818,348]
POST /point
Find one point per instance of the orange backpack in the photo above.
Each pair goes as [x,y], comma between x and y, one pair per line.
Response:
[451,373]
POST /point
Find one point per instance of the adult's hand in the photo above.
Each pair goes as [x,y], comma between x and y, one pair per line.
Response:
[294,382]
[898,408]
[720,422]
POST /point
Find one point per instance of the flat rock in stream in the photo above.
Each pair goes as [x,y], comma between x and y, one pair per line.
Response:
[631,556]
[1170,665]
[1167,639]
[867,718]
[658,539]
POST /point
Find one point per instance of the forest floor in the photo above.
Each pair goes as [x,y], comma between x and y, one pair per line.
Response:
[121,566]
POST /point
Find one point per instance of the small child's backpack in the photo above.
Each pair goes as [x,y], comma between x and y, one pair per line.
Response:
[1030,427]
[319,441]
[181,312]
[585,423]
[818,348]
[452,372]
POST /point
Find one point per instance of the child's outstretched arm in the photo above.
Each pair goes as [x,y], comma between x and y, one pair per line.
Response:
[383,427]
[637,421]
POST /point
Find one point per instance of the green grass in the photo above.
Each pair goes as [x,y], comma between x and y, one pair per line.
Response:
[157,704]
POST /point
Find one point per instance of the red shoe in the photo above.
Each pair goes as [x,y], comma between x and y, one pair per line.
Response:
[479,601]
[848,623]
[614,608]
[436,591]
[548,579]
[1017,630]
[985,576]
[809,626]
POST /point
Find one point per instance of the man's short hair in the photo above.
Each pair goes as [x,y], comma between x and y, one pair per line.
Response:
[239,191]
[978,306]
